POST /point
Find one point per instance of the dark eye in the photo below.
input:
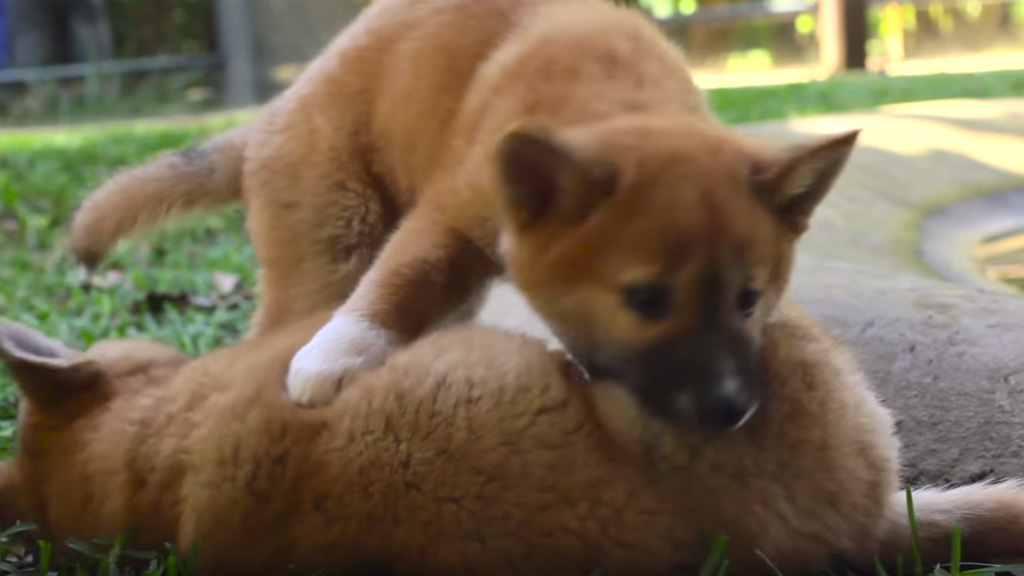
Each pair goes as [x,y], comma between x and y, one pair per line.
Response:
[747,301]
[650,301]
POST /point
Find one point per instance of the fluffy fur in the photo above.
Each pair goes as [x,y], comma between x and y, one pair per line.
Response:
[570,132]
[471,451]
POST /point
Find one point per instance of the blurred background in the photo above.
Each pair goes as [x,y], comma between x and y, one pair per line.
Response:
[63,60]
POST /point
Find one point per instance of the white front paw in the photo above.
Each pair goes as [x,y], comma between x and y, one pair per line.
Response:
[344,345]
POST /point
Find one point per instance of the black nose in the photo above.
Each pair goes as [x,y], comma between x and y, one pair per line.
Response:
[728,405]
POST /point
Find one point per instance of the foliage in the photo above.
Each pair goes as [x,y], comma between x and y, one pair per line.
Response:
[110,557]
[152,27]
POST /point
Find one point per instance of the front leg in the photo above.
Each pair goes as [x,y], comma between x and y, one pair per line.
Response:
[426,271]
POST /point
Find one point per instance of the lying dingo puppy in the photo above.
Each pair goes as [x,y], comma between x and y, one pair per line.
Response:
[471,451]
[437,143]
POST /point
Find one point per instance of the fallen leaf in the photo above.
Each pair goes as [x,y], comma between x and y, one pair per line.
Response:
[108,279]
[203,302]
[101,280]
[225,282]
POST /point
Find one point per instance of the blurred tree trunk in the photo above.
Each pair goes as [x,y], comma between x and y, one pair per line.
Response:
[46,32]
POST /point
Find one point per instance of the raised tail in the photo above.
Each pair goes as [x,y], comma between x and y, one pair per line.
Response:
[173,184]
[990,517]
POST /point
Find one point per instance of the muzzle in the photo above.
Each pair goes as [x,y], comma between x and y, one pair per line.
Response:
[713,377]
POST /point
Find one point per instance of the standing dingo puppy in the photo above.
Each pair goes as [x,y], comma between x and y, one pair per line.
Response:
[437,143]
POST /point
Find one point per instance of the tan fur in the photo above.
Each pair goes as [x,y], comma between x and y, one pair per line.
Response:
[429,125]
[472,451]
[174,183]
[989,515]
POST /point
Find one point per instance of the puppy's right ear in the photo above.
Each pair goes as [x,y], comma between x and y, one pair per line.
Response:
[544,179]
[47,372]
[795,186]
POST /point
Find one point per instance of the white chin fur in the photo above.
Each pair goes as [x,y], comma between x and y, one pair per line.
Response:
[504,245]
[347,343]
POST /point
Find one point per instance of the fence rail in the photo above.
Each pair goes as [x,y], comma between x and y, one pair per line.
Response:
[111,68]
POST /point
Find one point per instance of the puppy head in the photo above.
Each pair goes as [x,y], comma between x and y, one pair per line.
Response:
[656,250]
[62,390]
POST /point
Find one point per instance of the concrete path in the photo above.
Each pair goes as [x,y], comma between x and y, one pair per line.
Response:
[886,268]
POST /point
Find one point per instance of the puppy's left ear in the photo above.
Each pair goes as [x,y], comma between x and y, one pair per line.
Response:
[47,371]
[795,184]
[545,180]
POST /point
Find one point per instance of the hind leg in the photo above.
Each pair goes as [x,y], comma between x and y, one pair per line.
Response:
[314,238]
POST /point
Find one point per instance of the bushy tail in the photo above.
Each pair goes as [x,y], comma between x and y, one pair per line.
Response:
[173,184]
[990,517]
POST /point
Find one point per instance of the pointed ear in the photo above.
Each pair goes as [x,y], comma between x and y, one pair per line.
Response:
[796,184]
[544,180]
[45,369]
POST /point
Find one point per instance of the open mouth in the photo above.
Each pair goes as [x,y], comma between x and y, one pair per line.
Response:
[609,369]
[680,387]
[599,367]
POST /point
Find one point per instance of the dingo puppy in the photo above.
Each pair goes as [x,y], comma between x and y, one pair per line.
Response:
[437,143]
[471,451]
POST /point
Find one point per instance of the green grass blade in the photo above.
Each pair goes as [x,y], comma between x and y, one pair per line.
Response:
[715,558]
[954,569]
[45,554]
[155,568]
[140,554]
[18,528]
[85,549]
[914,543]
[993,570]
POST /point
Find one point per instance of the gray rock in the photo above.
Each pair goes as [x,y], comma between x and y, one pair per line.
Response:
[947,359]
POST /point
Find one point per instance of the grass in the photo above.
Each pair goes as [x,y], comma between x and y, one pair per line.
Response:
[102,557]
[107,557]
[191,284]
[855,92]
